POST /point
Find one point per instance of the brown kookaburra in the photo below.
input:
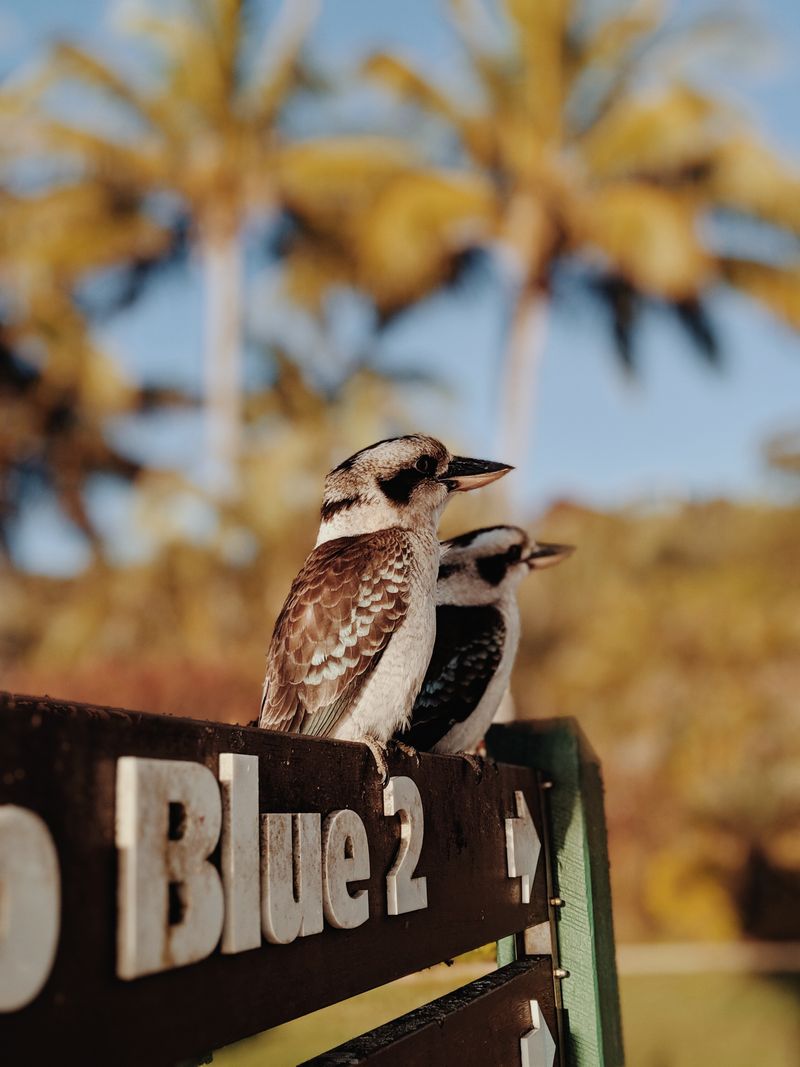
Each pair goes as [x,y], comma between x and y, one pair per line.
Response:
[353,640]
[477,634]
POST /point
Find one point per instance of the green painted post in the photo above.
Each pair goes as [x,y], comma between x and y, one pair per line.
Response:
[590,996]
[507,950]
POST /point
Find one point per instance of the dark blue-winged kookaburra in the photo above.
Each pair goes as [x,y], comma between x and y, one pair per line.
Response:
[355,635]
[477,633]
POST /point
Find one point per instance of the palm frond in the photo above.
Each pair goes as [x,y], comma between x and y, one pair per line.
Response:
[411,86]
[141,163]
[311,267]
[778,288]
[659,136]
[109,219]
[647,235]
[616,37]
[476,129]
[195,91]
[408,238]
[623,307]
[277,66]
[542,35]
[694,318]
[69,60]
[329,180]
[746,176]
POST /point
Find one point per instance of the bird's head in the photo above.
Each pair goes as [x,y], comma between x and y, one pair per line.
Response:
[403,481]
[482,566]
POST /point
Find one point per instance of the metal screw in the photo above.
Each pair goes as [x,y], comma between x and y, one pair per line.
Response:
[547,785]
[559,972]
[557,902]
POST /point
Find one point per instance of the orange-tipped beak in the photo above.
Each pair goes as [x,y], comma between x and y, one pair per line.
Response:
[465,474]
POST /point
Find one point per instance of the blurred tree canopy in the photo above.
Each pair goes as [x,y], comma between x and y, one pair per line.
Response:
[585,154]
[192,147]
[58,390]
[587,150]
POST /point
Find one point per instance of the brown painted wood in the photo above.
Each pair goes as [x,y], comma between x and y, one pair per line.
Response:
[59,759]
[475,1026]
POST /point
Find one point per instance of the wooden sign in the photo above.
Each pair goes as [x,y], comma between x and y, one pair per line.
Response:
[507,1017]
[169,886]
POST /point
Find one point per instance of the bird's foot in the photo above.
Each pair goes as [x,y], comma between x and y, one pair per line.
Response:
[379,754]
[408,750]
[477,763]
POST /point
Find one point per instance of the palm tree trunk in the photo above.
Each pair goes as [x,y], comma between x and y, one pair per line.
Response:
[221,264]
[519,377]
[528,240]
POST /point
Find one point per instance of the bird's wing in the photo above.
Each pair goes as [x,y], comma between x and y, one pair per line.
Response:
[350,596]
[467,652]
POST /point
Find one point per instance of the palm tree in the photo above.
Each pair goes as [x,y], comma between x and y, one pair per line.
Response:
[587,161]
[196,134]
[58,390]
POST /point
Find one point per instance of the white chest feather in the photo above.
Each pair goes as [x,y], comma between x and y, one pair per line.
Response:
[384,704]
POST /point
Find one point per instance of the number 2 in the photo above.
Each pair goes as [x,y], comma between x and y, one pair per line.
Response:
[404,892]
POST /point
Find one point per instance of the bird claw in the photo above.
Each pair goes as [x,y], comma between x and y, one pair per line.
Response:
[408,750]
[379,754]
[477,763]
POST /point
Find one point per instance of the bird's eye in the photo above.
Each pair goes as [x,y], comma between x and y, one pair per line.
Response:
[514,553]
[426,465]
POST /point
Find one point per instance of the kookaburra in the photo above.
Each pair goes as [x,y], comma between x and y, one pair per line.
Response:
[477,633]
[355,635]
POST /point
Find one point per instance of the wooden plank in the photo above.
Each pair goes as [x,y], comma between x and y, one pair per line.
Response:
[60,760]
[559,749]
[480,1024]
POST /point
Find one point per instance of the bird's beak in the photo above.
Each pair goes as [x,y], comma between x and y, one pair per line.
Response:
[544,555]
[465,474]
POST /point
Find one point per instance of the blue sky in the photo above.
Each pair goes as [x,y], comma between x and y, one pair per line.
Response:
[681,430]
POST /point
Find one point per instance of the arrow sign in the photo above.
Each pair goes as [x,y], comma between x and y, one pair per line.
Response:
[537,1047]
[522,846]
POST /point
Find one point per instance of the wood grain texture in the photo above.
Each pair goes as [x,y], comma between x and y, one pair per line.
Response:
[559,749]
[476,1026]
[59,759]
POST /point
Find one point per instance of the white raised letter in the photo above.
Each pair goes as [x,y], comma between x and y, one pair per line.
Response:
[291,876]
[169,895]
[404,893]
[30,905]
[346,852]
[238,782]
